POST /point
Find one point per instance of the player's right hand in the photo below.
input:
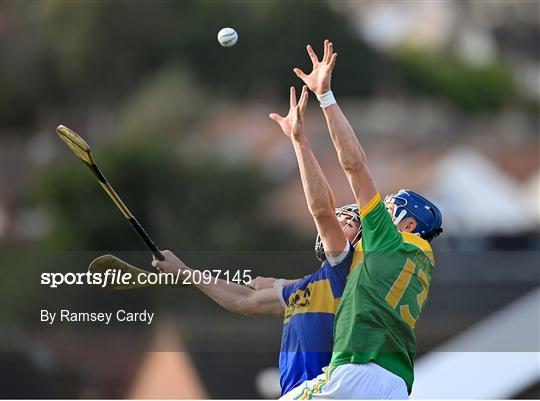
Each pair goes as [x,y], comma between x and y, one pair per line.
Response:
[318,80]
[171,264]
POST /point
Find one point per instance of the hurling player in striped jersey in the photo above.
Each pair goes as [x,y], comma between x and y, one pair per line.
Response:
[374,341]
[308,305]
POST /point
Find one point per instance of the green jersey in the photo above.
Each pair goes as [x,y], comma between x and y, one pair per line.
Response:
[385,292]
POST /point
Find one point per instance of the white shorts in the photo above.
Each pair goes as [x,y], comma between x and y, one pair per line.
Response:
[351,381]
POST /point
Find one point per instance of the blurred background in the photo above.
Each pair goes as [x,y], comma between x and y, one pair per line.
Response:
[444,96]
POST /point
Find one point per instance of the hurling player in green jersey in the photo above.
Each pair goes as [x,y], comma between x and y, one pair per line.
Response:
[374,342]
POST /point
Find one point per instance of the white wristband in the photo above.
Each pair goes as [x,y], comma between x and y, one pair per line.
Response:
[279,283]
[278,286]
[326,99]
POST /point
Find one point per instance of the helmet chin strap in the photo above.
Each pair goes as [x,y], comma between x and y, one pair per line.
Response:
[348,224]
[395,219]
[357,236]
[400,217]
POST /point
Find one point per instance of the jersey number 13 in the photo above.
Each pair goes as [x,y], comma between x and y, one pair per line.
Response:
[399,288]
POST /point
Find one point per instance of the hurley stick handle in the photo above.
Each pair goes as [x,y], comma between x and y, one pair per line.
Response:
[146,238]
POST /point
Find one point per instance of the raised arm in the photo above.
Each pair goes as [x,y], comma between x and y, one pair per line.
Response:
[233,297]
[350,153]
[319,197]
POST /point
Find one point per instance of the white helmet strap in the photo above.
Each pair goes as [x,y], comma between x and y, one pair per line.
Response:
[400,217]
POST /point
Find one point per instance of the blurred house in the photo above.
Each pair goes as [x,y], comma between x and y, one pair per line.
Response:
[476,179]
[166,371]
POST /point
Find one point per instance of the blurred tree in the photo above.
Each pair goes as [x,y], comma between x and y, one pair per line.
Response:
[73,54]
[170,102]
[473,89]
[70,55]
[184,204]
[94,50]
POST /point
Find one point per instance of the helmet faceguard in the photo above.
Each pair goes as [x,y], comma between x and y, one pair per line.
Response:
[347,210]
[408,203]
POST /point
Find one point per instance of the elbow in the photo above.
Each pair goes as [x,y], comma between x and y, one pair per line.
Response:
[355,165]
[319,213]
[354,160]
[246,308]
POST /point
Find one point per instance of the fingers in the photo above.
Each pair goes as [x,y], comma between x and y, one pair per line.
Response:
[276,117]
[312,55]
[326,55]
[299,73]
[292,97]
[328,52]
[332,62]
[302,103]
[303,99]
[160,264]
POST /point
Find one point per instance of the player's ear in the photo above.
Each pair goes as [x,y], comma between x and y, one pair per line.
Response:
[408,225]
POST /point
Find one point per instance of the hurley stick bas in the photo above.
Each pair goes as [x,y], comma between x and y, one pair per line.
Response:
[82,151]
[110,262]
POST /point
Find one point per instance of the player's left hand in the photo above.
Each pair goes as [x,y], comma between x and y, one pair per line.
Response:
[293,124]
[318,80]
[171,264]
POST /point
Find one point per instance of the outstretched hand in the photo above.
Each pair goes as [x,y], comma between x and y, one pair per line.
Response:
[293,124]
[318,81]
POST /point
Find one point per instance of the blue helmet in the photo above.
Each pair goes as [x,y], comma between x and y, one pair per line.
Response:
[410,204]
[349,210]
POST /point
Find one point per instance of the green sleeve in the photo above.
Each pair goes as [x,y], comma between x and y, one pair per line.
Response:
[378,230]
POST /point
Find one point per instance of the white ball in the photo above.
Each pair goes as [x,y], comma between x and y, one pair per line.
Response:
[227,37]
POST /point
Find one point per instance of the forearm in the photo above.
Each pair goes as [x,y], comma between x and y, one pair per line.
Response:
[318,195]
[350,153]
[260,283]
[330,194]
[233,297]
[230,296]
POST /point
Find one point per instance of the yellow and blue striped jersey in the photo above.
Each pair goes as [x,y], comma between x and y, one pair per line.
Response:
[310,306]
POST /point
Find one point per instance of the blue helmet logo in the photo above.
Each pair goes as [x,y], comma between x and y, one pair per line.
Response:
[410,204]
